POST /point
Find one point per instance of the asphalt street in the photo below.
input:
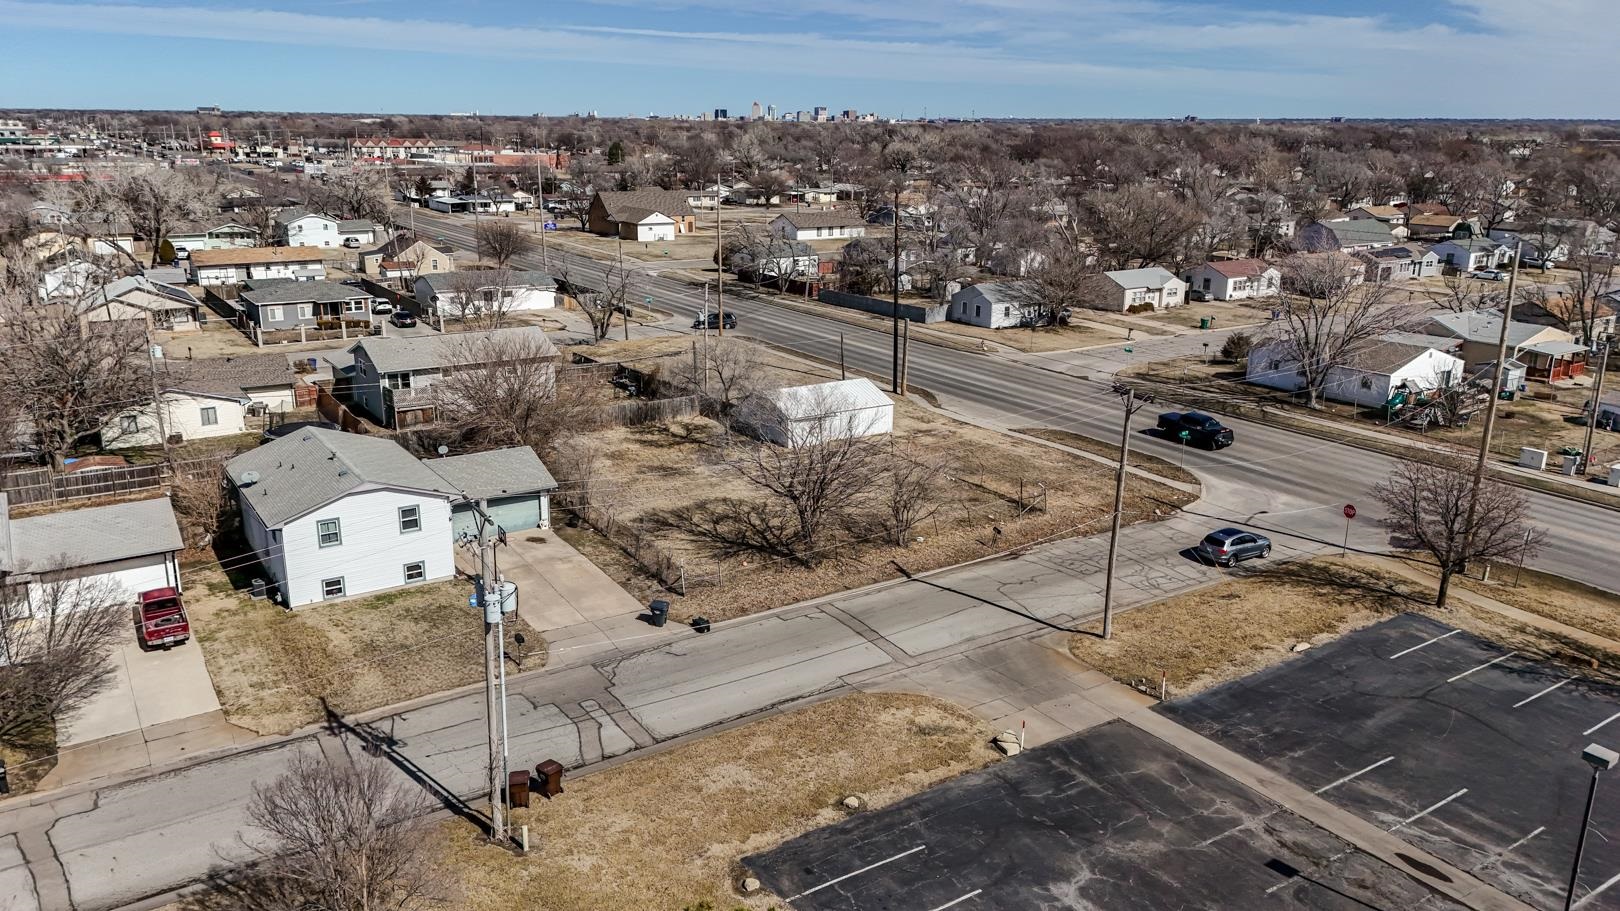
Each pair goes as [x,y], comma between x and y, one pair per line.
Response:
[1452,742]
[1110,818]
[1291,485]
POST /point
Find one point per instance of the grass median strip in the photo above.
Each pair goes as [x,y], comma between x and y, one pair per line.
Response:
[668,831]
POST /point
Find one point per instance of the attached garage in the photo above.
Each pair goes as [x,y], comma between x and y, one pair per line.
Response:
[513,485]
[132,546]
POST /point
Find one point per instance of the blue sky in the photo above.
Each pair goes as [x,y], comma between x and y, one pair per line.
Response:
[1075,58]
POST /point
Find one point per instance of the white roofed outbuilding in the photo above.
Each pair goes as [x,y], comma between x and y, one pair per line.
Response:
[798,416]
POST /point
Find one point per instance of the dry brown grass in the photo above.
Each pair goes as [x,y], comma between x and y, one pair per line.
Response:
[1226,631]
[1225,314]
[1139,459]
[272,667]
[1038,339]
[666,832]
[1554,597]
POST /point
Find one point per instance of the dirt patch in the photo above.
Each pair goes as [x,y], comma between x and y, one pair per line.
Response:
[667,831]
[1036,340]
[1139,459]
[273,668]
[1229,630]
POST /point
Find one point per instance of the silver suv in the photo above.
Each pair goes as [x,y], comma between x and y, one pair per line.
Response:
[1228,546]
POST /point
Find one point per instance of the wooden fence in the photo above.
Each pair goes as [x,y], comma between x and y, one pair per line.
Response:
[28,486]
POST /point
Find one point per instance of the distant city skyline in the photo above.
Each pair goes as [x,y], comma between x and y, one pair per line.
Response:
[952,58]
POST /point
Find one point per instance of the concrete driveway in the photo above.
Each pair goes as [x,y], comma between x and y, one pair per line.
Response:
[160,706]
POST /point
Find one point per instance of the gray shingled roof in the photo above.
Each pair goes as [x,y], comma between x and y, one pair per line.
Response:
[669,202]
[288,291]
[1486,326]
[401,355]
[1150,277]
[822,219]
[304,471]
[356,224]
[1386,356]
[1358,231]
[231,376]
[497,473]
[99,534]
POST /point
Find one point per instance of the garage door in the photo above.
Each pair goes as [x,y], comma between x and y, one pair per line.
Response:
[510,513]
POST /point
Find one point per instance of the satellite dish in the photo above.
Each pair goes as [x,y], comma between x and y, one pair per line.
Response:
[249,478]
[444,450]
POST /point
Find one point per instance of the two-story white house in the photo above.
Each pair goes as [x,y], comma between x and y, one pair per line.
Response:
[236,265]
[818,225]
[332,515]
[303,228]
[1125,290]
[1235,279]
[393,377]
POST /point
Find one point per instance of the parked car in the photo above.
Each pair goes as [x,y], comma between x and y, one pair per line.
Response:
[715,321]
[1489,275]
[1230,546]
[181,253]
[1199,294]
[160,619]
[1200,429]
[402,319]
[351,242]
[381,306]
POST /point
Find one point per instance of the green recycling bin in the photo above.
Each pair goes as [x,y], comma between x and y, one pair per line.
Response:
[1204,322]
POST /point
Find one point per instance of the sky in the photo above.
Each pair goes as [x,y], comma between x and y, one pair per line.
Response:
[942,58]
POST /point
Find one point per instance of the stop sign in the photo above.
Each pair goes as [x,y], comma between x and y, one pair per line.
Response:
[1349,511]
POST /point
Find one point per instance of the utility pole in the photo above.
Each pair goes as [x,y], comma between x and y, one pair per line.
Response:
[494,707]
[1601,349]
[719,267]
[1132,405]
[894,291]
[1490,406]
[157,395]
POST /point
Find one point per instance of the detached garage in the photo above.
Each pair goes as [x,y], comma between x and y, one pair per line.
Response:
[131,545]
[803,415]
[513,483]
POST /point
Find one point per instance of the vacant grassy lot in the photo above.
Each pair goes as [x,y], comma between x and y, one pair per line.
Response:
[1139,459]
[1554,597]
[1228,630]
[990,490]
[1234,313]
[666,832]
[1035,340]
[273,668]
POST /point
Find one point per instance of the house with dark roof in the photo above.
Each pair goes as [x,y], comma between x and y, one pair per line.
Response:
[1134,290]
[622,213]
[1370,376]
[279,304]
[205,398]
[127,547]
[1234,279]
[1394,264]
[1439,226]
[818,225]
[333,515]
[393,378]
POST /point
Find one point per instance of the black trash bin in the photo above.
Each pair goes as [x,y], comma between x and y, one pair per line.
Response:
[659,611]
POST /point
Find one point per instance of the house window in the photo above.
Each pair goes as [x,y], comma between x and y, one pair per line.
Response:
[977,311]
[355,306]
[272,314]
[1366,382]
[129,423]
[329,533]
[306,311]
[332,588]
[435,264]
[1006,310]
[210,416]
[415,572]
[399,380]
[410,519]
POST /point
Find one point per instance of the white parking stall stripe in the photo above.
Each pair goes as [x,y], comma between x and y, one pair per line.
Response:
[1480,668]
[857,872]
[1538,831]
[1353,775]
[1425,644]
[1529,699]
[957,901]
[1600,724]
[1598,891]
[1437,806]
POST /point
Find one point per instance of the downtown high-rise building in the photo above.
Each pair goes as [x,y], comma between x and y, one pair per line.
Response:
[821,114]
[770,112]
[754,111]
[722,114]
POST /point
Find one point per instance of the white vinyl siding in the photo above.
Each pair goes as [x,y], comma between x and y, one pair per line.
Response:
[376,550]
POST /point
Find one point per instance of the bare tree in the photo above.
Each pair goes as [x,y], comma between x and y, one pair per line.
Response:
[502,241]
[1328,318]
[55,639]
[601,291]
[1428,506]
[479,299]
[363,194]
[201,504]
[1460,292]
[730,371]
[69,376]
[1136,225]
[909,491]
[1580,303]
[153,201]
[344,835]
[1061,280]
[510,391]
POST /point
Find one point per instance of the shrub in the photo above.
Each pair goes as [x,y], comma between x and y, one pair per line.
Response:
[1237,346]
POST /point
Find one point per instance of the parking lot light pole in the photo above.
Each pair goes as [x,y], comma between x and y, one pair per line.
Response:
[1601,759]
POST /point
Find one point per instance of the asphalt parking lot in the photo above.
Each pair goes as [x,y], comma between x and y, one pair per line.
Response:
[1111,818]
[1455,743]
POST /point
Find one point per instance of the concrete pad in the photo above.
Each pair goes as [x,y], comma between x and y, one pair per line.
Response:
[557,585]
[16,883]
[1119,699]
[1074,712]
[148,688]
[1038,728]
[963,681]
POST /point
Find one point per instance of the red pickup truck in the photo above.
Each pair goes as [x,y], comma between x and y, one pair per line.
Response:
[160,619]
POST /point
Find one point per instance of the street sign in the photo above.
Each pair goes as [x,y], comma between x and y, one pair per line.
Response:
[550,226]
[1349,511]
[1184,435]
